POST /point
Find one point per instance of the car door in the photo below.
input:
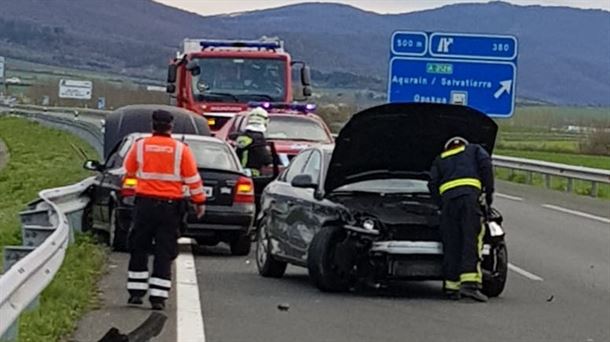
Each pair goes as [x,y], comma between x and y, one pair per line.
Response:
[301,216]
[281,196]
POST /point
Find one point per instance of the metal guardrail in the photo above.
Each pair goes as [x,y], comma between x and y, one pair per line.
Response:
[548,169]
[48,226]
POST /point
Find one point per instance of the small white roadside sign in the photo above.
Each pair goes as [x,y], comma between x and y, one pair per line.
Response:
[73,89]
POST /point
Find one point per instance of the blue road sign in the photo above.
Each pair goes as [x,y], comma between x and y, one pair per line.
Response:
[475,70]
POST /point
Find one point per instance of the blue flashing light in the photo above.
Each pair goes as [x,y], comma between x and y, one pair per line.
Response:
[266,45]
[304,108]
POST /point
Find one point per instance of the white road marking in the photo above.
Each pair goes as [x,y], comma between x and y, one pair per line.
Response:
[577,213]
[189,317]
[524,273]
[514,198]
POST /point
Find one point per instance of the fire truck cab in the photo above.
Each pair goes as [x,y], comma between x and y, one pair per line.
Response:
[218,78]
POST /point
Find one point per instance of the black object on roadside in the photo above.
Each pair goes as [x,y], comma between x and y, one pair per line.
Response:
[150,328]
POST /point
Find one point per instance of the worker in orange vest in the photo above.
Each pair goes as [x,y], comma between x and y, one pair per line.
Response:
[162,166]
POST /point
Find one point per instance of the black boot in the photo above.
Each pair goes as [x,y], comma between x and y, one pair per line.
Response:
[472,291]
[135,300]
[157,306]
[452,294]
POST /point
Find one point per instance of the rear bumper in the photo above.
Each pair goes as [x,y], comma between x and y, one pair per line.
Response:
[217,219]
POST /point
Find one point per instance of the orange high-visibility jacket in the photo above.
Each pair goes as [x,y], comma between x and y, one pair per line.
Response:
[162,165]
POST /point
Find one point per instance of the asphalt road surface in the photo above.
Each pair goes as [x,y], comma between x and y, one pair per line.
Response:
[558,290]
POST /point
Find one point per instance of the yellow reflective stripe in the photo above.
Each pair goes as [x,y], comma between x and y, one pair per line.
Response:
[244,158]
[452,285]
[460,182]
[473,277]
[453,151]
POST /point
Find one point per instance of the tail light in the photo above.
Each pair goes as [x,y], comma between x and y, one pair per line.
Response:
[244,191]
[129,187]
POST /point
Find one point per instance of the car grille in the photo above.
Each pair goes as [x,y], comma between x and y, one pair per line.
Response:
[414,233]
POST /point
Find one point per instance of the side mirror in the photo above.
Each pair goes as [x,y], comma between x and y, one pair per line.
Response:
[305,76]
[307,91]
[303,181]
[170,88]
[92,165]
[193,67]
[172,71]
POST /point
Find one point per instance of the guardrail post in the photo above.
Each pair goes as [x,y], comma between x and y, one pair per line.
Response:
[594,189]
[570,186]
[547,181]
[530,177]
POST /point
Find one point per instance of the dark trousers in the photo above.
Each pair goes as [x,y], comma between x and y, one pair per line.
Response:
[462,233]
[154,221]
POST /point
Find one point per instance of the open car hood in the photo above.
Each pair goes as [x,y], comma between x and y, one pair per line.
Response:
[401,140]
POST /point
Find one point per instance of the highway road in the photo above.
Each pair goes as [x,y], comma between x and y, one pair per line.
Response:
[558,290]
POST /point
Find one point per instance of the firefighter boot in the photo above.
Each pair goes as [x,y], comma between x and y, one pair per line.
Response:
[471,290]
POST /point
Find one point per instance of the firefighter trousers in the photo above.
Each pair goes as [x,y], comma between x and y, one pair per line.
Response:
[462,232]
[155,227]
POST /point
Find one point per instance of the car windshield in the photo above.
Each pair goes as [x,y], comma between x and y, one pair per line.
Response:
[388,186]
[296,128]
[212,155]
[239,80]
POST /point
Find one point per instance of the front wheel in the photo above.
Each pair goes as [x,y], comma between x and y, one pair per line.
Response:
[321,262]
[118,233]
[496,265]
[267,266]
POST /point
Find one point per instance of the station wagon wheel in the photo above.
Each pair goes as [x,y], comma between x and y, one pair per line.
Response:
[117,233]
[266,264]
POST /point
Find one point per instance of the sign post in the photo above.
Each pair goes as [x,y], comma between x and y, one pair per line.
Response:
[2,81]
[479,71]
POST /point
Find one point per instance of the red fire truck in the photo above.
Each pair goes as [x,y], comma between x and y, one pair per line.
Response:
[218,78]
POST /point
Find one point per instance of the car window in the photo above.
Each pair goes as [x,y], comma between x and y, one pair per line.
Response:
[115,159]
[213,155]
[296,166]
[313,166]
[294,128]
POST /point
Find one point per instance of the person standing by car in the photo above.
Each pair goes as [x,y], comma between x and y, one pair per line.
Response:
[457,179]
[251,145]
[162,166]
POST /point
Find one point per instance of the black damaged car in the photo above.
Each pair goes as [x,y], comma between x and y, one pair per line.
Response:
[362,212]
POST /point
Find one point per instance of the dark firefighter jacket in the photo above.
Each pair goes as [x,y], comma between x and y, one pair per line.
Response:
[252,150]
[462,170]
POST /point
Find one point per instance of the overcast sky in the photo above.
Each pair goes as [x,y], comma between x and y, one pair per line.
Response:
[209,7]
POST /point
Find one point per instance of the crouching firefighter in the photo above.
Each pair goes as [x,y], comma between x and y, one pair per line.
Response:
[457,179]
[162,167]
[251,145]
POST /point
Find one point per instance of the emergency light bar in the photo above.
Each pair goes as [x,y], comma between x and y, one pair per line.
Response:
[298,107]
[252,44]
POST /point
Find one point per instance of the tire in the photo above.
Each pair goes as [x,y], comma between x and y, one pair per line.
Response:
[240,245]
[118,234]
[268,267]
[494,285]
[87,219]
[320,260]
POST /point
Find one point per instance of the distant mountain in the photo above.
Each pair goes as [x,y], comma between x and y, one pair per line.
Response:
[564,52]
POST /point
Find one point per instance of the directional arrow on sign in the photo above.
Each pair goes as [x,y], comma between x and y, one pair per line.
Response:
[505,86]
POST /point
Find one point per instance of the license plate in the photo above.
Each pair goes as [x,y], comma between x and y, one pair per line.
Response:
[208,190]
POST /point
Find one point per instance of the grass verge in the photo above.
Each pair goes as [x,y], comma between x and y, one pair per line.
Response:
[598,162]
[70,294]
[44,158]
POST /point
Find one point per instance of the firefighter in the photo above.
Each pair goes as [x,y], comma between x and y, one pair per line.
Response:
[163,168]
[251,145]
[457,179]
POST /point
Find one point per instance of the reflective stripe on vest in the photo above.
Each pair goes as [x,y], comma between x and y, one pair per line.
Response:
[460,182]
[172,177]
[452,152]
